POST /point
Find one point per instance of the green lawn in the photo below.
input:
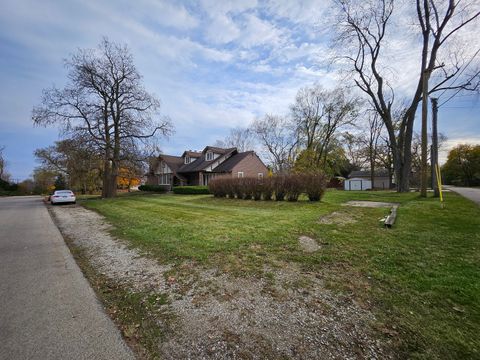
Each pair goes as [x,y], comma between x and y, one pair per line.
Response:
[422,278]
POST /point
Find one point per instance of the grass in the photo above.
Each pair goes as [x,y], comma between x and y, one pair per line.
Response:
[421,278]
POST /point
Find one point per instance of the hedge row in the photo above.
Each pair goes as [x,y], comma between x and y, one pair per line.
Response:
[191,190]
[153,188]
[278,187]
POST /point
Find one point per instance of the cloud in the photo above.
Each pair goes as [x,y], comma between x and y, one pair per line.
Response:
[308,12]
[165,14]
[258,32]
[214,64]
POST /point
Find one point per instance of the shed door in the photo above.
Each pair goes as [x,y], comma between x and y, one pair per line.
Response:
[355,184]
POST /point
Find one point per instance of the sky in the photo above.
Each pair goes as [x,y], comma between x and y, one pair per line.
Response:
[215,65]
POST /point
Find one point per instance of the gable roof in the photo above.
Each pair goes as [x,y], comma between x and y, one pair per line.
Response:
[366,173]
[230,163]
[173,162]
[218,150]
[192,154]
[201,163]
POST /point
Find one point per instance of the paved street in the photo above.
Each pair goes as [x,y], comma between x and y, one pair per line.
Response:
[47,308]
[469,193]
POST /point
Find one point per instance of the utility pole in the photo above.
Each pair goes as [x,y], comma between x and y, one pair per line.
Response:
[424,177]
[434,152]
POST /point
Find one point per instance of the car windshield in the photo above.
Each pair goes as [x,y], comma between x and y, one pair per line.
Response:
[63,192]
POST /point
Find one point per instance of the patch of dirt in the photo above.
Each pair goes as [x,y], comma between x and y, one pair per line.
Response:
[289,314]
[337,218]
[371,204]
[308,244]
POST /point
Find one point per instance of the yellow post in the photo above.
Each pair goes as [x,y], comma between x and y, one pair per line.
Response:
[439,181]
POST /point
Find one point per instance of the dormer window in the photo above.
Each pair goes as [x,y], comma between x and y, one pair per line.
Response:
[209,156]
[187,159]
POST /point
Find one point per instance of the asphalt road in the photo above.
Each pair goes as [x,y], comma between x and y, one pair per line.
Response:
[47,308]
[469,193]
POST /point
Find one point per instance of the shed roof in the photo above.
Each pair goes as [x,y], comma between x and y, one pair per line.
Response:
[366,173]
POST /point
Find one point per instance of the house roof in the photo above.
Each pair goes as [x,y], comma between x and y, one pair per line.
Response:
[201,162]
[194,154]
[366,173]
[218,150]
[173,162]
[177,163]
[229,164]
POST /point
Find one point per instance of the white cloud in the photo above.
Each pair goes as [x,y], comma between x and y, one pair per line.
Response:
[257,32]
[309,12]
[165,13]
[222,30]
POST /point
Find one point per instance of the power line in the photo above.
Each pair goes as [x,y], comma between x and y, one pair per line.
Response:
[457,76]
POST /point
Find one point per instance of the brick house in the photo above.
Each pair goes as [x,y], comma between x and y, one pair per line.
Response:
[198,168]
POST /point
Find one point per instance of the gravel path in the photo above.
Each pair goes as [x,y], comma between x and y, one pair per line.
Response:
[221,317]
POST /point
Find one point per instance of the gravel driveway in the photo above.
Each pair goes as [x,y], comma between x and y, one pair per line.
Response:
[224,317]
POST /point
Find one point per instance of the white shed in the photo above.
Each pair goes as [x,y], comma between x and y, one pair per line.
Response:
[357,184]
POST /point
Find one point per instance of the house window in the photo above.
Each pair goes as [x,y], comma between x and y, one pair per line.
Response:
[165,179]
[260,176]
[209,156]
[240,174]
[187,159]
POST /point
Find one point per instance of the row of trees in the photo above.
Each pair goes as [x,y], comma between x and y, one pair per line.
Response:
[463,166]
[82,167]
[309,135]
[328,130]
[445,63]
[105,110]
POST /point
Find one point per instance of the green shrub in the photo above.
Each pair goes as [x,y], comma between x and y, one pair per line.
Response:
[191,190]
[153,188]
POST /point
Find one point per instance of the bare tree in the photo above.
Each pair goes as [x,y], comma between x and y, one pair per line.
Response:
[353,144]
[278,137]
[318,114]
[361,40]
[240,138]
[104,100]
[372,141]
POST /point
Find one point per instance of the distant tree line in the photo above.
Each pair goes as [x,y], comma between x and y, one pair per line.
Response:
[463,166]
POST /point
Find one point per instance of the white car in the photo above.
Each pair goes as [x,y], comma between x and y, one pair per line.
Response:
[62,197]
